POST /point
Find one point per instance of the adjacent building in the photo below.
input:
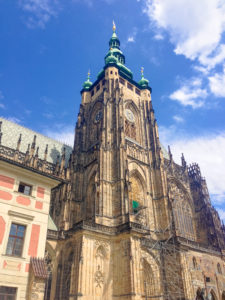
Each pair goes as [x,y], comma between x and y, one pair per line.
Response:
[26,180]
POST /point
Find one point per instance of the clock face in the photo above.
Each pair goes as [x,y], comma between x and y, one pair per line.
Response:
[129,115]
[98,116]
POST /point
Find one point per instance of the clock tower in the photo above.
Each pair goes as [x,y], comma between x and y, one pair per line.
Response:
[127,215]
[118,193]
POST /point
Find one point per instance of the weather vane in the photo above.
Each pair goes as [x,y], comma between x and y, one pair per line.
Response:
[114,26]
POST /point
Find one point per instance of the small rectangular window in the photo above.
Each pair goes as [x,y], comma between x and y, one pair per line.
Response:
[103,82]
[98,87]
[7,293]
[24,188]
[122,81]
[137,92]
[130,86]
[92,93]
[16,239]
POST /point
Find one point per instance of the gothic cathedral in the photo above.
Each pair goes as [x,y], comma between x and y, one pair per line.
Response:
[132,223]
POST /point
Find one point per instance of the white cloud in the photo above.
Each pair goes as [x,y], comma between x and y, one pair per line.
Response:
[217,84]
[201,69]
[195,27]
[207,151]
[40,11]
[178,119]
[190,94]
[131,39]
[62,133]
[2,106]
[158,37]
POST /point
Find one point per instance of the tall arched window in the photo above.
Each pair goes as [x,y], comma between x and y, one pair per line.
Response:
[182,212]
[194,261]
[219,270]
[148,282]
[136,194]
[130,130]
[58,289]
[183,219]
[67,275]
[90,198]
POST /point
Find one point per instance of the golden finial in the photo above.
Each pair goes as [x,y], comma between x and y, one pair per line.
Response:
[89,73]
[114,26]
[142,71]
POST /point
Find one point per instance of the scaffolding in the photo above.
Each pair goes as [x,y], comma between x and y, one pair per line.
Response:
[168,256]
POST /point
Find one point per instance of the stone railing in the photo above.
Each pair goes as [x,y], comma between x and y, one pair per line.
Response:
[31,161]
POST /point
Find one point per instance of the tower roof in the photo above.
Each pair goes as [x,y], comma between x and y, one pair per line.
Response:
[115,55]
[143,82]
[116,58]
[87,84]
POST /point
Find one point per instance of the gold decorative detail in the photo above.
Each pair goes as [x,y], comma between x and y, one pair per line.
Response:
[114,26]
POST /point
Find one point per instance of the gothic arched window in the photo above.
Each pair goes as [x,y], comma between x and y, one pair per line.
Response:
[58,283]
[194,263]
[67,275]
[136,194]
[95,124]
[182,212]
[90,198]
[130,130]
[183,219]
[148,283]
[219,270]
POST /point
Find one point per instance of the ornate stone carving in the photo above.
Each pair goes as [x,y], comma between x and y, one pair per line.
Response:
[99,277]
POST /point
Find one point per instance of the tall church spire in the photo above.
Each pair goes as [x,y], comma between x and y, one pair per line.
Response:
[114,42]
[115,55]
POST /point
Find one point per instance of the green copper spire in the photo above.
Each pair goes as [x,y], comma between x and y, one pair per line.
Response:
[87,84]
[114,41]
[110,58]
[143,82]
[114,47]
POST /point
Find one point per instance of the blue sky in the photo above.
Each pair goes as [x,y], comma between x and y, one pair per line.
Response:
[47,47]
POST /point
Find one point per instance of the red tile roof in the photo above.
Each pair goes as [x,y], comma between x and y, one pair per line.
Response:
[39,267]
